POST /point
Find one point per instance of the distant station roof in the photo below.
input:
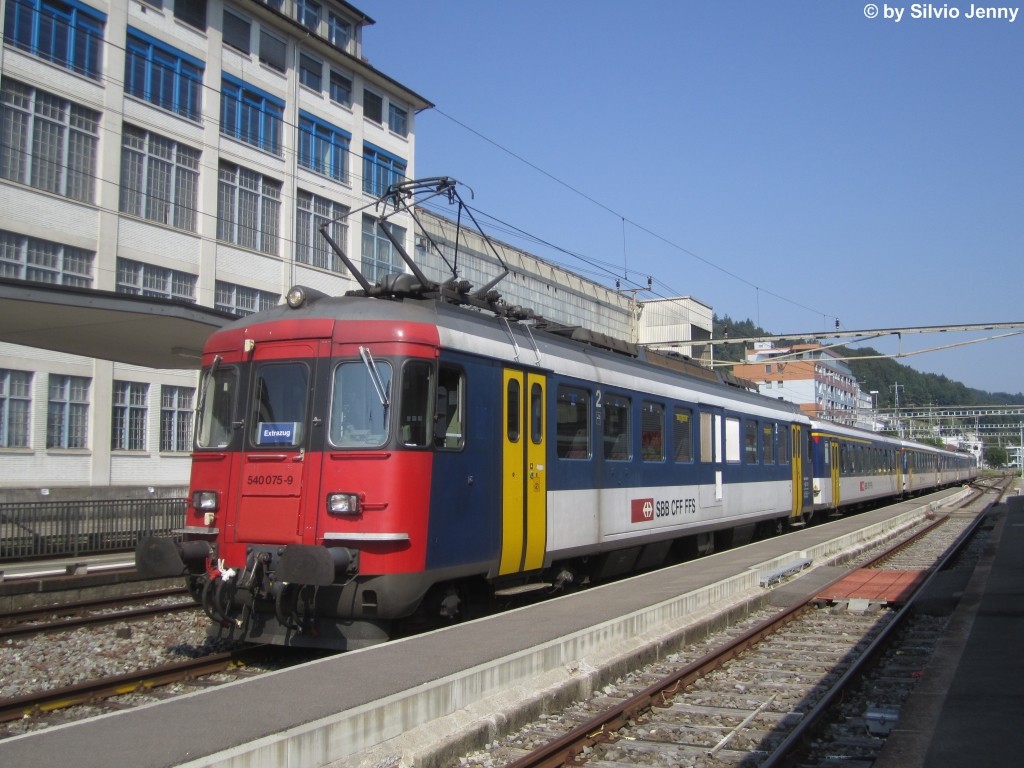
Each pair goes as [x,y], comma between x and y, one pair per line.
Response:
[140,330]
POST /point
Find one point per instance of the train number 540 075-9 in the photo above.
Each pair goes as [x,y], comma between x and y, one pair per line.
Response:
[279,482]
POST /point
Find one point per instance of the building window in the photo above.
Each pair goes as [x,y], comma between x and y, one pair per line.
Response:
[379,255]
[273,51]
[64,32]
[47,142]
[128,421]
[29,258]
[248,208]
[15,408]
[380,170]
[237,32]
[176,418]
[250,115]
[339,31]
[310,246]
[192,12]
[311,72]
[140,279]
[240,300]
[308,14]
[67,416]
[159,178]
[163,76]
[341,89]
[373,107]
[398,120]
[323,148]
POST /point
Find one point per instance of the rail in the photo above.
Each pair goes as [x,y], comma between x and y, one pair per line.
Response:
[69,528]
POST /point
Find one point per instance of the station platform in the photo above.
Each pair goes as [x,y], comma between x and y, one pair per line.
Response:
[426,700]
[32,584]
[968,708]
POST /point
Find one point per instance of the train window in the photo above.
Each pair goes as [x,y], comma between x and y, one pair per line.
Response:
[216,407]
[750,442]
[449,418]
[280,404]
[573,423]
[513,411]
[707,451]
[358,417]
[682,434]
[536,414]
[414,403]
[768,443]
[618,444]
[652,431]
[784,444]
[732,440]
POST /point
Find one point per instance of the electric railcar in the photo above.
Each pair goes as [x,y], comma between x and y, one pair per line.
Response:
[415,450]
[360,460]
[852,467]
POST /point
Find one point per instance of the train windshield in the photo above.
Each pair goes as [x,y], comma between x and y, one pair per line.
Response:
[360,406]
[216,406]
[280,400]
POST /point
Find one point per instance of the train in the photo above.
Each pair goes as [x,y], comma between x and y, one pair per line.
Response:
[413,452]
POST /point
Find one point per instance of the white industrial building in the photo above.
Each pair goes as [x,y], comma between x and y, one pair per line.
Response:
[184,149]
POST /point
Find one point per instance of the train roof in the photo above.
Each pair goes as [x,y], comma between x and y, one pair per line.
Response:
[527,343]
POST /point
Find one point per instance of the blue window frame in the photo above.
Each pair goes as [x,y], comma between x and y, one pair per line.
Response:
[250,115]
[323,148]
[398,120]
[163,76]
[381,169]
[62,31]
[308,14]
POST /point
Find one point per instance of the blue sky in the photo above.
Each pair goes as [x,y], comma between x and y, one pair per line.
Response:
[790,162]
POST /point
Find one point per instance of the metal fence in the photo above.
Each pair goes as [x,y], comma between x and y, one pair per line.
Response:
[70,528]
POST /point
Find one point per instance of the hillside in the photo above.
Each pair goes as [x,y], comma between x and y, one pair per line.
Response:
[916,388]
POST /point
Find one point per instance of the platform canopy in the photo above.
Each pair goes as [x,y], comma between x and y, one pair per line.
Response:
[140,330]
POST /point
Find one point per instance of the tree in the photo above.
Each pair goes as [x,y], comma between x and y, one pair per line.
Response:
[996,456]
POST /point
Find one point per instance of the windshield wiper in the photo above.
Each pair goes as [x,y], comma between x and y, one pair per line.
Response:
[375,377]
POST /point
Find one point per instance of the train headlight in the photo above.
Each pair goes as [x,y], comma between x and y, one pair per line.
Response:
[343,503]
[296,296]
[205,501]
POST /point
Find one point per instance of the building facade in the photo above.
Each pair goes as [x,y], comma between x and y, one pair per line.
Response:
[190,150]
[809,375]
[179,149]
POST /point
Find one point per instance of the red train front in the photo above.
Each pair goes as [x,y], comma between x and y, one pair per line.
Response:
[305,491]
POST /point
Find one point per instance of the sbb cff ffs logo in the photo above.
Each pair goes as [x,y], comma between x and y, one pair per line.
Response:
[645,510]
[642,510]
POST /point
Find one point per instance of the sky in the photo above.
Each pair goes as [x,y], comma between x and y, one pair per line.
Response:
[793,163]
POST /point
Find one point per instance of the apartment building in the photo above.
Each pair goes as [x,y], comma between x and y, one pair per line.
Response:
[180,149]
[809,375]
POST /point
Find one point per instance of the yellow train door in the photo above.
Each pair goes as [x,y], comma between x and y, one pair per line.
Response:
[834,453]
[524,475]
[797,464]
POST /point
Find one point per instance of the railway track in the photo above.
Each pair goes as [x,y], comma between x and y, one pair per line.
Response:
[145,681]
[73,615]
[96,691]
[755,697]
